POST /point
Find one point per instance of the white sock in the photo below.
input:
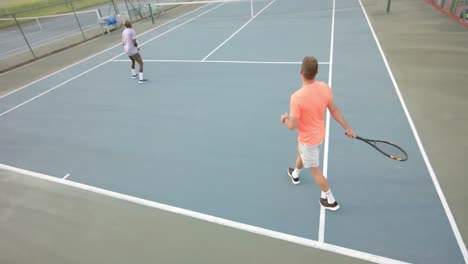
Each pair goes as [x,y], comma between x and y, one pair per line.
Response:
[296,172]
[134,72]
[141,75]
[329,195]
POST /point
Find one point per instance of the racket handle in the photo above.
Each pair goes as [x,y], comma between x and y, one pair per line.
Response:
[356,137]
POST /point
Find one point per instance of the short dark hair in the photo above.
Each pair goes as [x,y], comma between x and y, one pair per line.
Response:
[309,67]
[127,24]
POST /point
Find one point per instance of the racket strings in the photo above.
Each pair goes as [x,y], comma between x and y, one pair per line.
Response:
[391,150]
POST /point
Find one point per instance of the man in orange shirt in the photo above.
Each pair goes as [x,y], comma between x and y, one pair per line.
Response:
[307,109]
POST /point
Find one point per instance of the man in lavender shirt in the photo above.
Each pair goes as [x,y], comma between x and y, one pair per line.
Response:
[131,48]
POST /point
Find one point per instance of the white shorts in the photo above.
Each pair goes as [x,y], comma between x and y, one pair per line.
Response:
[310,155]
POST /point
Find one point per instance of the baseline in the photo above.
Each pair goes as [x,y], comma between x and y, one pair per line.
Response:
[209,218]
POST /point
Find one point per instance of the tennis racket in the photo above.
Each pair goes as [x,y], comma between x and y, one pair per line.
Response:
[387,148]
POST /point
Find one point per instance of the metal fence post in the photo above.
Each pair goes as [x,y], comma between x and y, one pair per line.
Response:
[24,36]
[151,13]
[115,7]
[465,9]
[388,5]
[77,20]
[128,11]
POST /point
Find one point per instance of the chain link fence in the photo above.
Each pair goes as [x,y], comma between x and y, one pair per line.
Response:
[40,31]
[458,9]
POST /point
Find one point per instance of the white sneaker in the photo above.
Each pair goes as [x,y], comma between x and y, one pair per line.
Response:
[333,207]
[294,180]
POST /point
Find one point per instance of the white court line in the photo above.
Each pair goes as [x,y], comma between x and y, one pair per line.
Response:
[51,16]
[321,231]
[66,176]
[44,42]
[188,21]
[448,212]
[209,218]
[92,56]
[99,65]
[55,87]
[235,33]
[220,61]
[259,62]
[198,2]
[145,60]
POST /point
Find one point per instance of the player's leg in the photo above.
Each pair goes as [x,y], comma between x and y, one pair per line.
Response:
[299,163]
[140,68]
[329,201]
[311,159]
[134,73]
[320,179]
[140,64]
[294,173]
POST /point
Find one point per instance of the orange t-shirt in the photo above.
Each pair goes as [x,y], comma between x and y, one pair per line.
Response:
[308,105]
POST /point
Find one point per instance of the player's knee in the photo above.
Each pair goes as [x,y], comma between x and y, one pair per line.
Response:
[316,172]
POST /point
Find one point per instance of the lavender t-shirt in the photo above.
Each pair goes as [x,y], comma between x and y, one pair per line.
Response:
[128,35]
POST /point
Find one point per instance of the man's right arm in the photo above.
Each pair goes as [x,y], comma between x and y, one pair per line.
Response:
[338,116]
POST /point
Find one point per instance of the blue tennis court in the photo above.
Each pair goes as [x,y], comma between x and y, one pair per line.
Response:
[203,135]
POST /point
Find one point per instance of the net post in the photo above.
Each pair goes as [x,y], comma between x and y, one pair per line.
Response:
[388,5]
[22,33]
[251,8]
[151,13]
